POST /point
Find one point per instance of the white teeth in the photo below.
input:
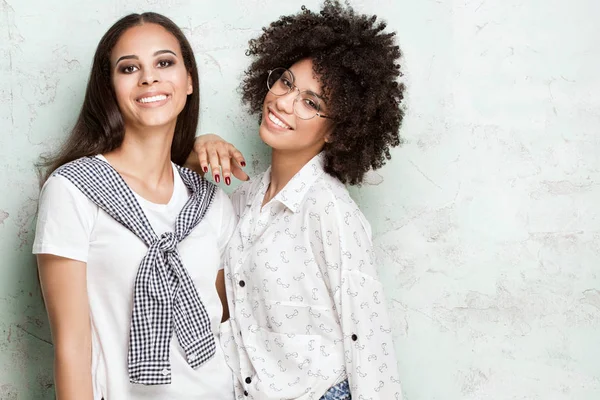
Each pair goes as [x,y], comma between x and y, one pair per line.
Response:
[278,122]
[152,99]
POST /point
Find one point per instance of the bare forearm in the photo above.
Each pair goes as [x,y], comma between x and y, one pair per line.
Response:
[73,374]
[64,288]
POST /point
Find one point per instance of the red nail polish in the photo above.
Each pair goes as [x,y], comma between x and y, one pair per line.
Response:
[205,169]
[243,163]
[217,178]
[227,180]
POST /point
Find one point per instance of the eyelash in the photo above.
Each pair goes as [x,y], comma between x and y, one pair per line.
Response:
[127,69]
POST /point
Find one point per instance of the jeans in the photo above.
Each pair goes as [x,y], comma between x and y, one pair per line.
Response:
[341,391]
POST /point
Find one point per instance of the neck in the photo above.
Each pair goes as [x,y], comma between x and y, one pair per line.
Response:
[145,154]
[283,168]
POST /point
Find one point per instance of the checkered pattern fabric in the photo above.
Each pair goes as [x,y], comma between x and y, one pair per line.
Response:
[165,298]
[341,391]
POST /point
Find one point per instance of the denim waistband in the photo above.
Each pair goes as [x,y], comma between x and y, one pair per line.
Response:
[341,391]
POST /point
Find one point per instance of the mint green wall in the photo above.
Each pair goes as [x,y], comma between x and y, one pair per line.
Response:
[486,223]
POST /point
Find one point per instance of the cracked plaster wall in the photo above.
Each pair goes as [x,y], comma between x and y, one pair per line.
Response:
[486,222]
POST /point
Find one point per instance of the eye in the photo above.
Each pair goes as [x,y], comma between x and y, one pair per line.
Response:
[164,63]
[286,82]
[310,103]
[129,69]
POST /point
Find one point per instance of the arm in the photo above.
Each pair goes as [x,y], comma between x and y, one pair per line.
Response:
[211,150]
[222,295]
[227,226]
[64,289]
[347,258]
[64,225]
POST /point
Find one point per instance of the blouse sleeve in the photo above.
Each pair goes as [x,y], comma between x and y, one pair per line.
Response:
[371,363]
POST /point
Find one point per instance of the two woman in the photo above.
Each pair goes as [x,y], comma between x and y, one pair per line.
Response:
[128,243]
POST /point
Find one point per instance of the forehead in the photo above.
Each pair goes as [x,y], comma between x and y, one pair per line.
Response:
[305,76]
[143,39]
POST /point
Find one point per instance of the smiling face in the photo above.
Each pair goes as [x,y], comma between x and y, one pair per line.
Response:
[282,129]
[149,77]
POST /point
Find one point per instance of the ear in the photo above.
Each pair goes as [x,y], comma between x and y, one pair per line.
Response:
[329,136]
[190,82]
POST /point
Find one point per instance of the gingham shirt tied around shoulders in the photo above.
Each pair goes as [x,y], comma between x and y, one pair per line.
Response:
[165,297]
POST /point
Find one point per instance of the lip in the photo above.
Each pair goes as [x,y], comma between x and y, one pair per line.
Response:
[274,126]
[154,103]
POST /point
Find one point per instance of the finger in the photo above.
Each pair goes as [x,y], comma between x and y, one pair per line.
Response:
[239,173]
[213,160]
[238,156]
[202,158]
[225,167]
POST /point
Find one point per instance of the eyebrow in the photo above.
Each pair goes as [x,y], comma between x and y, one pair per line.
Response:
[134,57]
[315,94]
[308,90]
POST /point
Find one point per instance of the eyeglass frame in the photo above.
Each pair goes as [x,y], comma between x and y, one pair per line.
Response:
[299,93]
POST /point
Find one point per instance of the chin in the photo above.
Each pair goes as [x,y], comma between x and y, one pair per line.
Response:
[157,121]
[265,135]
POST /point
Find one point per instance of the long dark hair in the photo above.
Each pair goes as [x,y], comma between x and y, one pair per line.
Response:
[100,127]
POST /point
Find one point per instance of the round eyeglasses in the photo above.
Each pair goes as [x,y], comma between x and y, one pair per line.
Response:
[307,104]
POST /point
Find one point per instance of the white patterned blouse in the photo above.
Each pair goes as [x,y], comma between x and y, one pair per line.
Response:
[307,309]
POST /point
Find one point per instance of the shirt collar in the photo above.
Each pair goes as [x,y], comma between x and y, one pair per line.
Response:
[294,192]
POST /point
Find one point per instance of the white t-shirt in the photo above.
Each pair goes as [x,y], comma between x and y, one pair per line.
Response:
[70,225]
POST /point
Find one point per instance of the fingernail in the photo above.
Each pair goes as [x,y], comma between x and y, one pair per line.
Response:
[217,178]
[243,163]
[227,180]
[205,169]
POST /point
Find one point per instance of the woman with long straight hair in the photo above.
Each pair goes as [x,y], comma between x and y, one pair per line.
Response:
[129,243]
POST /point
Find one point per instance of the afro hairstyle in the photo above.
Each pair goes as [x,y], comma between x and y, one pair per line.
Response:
[357,64]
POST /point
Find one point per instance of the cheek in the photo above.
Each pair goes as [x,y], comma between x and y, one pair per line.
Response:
[269,99]
[315,128]
[178,76]
[121,85]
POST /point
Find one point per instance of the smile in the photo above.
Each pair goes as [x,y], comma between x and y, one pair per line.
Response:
[152,99]
[277,121]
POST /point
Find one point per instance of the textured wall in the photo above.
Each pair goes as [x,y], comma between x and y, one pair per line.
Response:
[486,221]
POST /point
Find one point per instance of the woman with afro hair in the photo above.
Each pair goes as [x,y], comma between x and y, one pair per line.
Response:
[308,319]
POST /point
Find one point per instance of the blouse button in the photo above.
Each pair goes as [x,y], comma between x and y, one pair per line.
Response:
[245,393]
[248,380]
[242,283]
[354,337]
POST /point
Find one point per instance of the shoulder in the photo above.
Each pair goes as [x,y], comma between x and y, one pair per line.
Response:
[247,189]
[63,208]
[329,202]
[59,189]
[90,163]
[221,201]
[245,193]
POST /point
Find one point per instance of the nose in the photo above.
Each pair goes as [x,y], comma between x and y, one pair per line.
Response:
[149,76]
[286,102]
